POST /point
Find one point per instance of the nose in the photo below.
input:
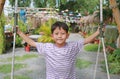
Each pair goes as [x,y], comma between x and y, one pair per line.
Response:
[59,35]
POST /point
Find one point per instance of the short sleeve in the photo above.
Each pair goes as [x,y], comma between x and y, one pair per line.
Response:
[80,44]
[40,48]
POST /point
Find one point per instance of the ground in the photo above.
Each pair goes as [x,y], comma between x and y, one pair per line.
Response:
[36,66]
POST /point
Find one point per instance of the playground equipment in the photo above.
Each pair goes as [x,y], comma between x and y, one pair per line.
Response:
[101,41]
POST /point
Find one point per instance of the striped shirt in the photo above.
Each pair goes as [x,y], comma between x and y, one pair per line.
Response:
[60,62]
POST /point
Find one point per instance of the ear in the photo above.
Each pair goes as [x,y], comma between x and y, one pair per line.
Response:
[68,35]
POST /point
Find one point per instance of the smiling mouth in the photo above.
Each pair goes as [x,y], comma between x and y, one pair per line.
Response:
[59,39]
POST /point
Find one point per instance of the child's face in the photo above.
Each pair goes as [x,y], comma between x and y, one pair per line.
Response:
[59,36]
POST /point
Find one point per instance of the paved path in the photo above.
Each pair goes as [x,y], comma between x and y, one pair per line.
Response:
[36,66]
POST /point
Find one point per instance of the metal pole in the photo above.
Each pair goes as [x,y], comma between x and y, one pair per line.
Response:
[102,38]
[101,41]
[14,33]
[96,64]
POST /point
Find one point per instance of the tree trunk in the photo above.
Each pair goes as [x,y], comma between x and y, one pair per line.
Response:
[2,35]
[116,15]
[2,2]
[116,12]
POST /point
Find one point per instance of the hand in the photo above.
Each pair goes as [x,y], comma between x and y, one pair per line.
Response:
[102,30]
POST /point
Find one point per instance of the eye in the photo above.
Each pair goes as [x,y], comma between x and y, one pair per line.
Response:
[63,33]
[56,33]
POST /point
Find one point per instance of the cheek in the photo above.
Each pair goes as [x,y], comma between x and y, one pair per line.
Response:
[53,37]
[65,36]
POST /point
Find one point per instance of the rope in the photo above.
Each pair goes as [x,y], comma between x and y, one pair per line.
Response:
[14,30]
[13,58]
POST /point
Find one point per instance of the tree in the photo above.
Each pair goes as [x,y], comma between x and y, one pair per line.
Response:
[21,3]
[2,36]
[2,2]
[87,5]
[81,6]
[38,3]
[43,4]
[116,14]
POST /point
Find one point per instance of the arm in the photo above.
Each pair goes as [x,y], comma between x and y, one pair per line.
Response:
[91,38]
[26,38]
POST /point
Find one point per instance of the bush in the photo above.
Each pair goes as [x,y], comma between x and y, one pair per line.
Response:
[45,28]
[114,62]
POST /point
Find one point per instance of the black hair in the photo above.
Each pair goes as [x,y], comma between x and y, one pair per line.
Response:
[60,25]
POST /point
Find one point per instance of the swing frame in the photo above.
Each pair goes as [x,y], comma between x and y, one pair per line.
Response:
[101,41]
[101,38]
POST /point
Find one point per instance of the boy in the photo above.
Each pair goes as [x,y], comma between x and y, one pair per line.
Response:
[60,56]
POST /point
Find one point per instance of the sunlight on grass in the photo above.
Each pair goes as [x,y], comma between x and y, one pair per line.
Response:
[18,77]
[80,63]
[6,68]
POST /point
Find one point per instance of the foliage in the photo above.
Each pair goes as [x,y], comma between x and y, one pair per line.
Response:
[114,62]
[18,41]
[39,3]
[114,56]
[92,47]
[107,13]
[81,6]
[21,24]
[2,35]
[82,63]
[86,5]
[46,29]
[45,39]
[44,3]
[21,3]
[22,27]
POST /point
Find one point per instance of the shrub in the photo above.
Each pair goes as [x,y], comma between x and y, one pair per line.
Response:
[113,62]
[45,28]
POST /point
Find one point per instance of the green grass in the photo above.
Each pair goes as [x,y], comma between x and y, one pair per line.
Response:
[80,63]
[18,77]
[26,56]
[92,47]
[6,68]
[19,58]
